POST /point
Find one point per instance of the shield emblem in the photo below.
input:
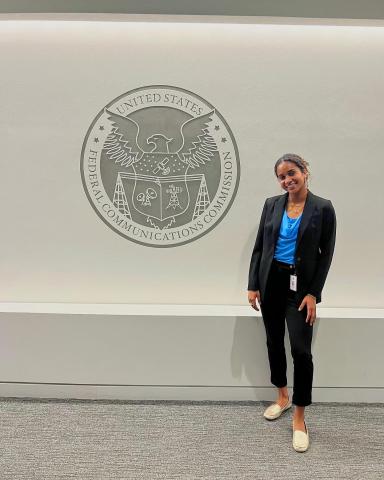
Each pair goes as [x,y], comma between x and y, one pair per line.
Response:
[158,192]
[160,198]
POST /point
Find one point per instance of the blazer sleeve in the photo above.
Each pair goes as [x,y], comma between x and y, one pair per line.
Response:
[253,278]
[326,248]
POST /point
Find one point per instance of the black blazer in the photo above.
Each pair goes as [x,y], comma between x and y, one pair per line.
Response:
[314,246]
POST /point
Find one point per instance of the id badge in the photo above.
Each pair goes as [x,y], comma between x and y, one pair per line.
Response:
[293,283]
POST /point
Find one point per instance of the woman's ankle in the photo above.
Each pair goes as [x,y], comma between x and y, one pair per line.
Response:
[283,393]
[298,414]
[282,398]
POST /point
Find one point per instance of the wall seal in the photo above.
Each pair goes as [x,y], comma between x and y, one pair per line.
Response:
[160,166]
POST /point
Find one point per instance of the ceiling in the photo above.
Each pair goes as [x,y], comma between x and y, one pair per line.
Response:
[337,9]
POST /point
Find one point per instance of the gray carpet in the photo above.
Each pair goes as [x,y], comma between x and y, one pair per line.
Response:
[102,440]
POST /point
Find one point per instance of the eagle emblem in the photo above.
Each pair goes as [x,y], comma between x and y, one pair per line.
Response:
[162,177]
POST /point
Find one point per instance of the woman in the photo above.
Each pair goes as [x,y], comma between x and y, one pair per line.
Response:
[290,262]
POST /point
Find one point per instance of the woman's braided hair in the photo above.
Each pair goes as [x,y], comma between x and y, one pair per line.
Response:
[296,159]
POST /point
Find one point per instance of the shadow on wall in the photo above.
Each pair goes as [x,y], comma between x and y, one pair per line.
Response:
[249,356]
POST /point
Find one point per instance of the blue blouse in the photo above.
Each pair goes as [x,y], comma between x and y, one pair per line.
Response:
[286,243]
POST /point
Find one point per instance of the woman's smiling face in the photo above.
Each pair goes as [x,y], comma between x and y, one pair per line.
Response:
[290,177]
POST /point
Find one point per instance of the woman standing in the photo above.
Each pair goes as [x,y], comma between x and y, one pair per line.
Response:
[289,265]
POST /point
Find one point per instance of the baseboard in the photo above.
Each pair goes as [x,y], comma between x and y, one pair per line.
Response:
[172,392]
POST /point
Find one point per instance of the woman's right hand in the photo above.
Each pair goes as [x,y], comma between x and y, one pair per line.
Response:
[254,299]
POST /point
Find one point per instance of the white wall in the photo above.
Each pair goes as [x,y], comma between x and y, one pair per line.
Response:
[221,356]
[315,90]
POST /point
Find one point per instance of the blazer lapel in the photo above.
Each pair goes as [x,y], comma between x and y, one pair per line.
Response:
[309,207]
[278,215]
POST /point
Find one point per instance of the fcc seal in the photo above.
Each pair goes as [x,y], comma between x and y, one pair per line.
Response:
[160,166]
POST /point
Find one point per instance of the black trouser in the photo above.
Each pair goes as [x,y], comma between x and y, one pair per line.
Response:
[279,305]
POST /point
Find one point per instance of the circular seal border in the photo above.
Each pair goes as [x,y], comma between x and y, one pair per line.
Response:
[236,186]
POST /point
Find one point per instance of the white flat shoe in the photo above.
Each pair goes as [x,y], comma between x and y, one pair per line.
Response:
[274,411]
[300,440]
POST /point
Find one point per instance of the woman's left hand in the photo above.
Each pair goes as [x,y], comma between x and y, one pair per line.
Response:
[310,302]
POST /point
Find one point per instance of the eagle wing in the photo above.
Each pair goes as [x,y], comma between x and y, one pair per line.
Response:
[121,144]
[198,146]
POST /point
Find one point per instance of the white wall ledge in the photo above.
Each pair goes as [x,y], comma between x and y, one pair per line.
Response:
[176,18]
[172,310]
